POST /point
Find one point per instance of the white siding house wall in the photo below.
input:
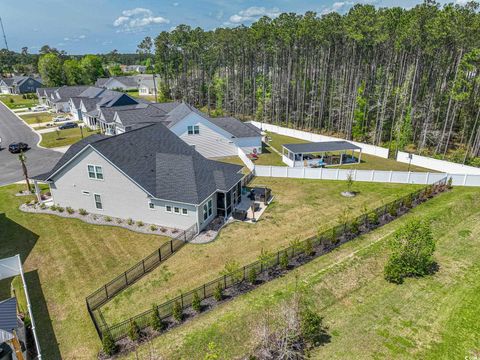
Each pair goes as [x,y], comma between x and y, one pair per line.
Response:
[114,84]
[212,141]
[248,144]
[120,196]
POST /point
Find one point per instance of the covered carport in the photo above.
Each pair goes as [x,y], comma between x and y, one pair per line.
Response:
[321,154]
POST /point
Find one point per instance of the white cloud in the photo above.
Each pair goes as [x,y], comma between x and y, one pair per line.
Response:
[135,19]
[66,39]
[462,2]
[253,13]
[82,37]
[339,6]
[176,4]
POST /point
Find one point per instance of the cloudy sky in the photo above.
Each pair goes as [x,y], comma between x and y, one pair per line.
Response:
[94,26]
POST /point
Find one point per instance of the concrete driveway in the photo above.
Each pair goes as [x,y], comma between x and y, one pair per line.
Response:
[39,160]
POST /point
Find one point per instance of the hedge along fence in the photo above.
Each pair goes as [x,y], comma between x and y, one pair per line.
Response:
[319,244]
[124,280]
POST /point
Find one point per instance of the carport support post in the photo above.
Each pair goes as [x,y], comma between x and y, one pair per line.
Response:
[360,156]
[37,191]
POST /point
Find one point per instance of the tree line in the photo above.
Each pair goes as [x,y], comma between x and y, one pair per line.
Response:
[407,79]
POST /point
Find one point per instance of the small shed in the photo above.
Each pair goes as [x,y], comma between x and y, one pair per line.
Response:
[320,154]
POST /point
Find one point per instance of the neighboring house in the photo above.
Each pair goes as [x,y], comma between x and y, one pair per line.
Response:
[147,174]
[213,137]
[19,85]
[44,94]
[147,85]
[59,99]
[133,68]
[124,83]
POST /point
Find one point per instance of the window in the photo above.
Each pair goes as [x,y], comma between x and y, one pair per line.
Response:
[193,130]
[151,205]
[207,210]
[184,211]
[98,202]
[86,192]
[176,210]
[168,208]
[95,172]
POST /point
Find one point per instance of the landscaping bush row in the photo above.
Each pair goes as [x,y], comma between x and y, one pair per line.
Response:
[237,280]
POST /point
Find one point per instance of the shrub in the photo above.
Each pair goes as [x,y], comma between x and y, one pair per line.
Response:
[107,218]
[218,292]
[133,331]
[60,209]
[392,209]
[354,227]
[449,183]
[53,207]
[130,222]
[284,261]
[119,221]
[82,212]
[412,252]
[232,270]
[108,344]
[70,210]
[140,223]
[373,218]
[153,228]
[155,322]
[252,276]
[162,229]
[408,202]
[308,247]
[333,236]
[177,312]
[43,206]
[311,324]
[196,302]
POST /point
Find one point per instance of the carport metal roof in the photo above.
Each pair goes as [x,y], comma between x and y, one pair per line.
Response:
[323,146]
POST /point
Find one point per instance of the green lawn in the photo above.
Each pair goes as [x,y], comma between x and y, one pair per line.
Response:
[65,260]
[37,118]
[18,101]
[300,209]
[436,317]
[368,162]
[65,137]
[137,95]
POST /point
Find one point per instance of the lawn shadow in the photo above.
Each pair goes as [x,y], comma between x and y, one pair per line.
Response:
[15,239]
[43,322]
[265,149]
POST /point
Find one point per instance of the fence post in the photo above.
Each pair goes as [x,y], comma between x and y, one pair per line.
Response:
[373,175]
[336,176]
[106,292]
[428,177]
[278,257]
[126,278]
[244,273]
[143,265]
[160,254]
[465,179]
[181,299]
[390,177]
[171,246]
[204,291]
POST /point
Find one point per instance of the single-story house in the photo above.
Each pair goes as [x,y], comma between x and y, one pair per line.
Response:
[59,98]
[19,85]
[320,154]
[147,174]
[147,85]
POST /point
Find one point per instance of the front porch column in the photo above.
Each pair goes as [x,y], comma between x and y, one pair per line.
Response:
[37,191]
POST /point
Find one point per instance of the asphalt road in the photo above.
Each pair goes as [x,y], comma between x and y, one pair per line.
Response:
[39,160]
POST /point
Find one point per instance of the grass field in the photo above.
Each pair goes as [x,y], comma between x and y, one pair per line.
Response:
[368,162]
[65,137]
[38,118]
[18,101]
[300,209]
[436,317]
[65,260]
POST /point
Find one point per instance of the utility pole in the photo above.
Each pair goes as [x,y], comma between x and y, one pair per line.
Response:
[4,36]
[154,86]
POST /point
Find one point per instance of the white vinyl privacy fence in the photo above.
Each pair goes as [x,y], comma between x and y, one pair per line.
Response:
[401,177]
[435,164]
[366,148]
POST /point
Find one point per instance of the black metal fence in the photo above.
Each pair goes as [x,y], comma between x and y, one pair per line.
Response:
[124,280]
[322,243]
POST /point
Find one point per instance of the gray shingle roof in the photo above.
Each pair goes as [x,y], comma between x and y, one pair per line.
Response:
[161,163]
[8,315]
[321,146]
[236,127]
[64,93]
[129,81]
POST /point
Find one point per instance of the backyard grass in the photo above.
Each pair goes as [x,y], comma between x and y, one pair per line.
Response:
[65,260]
[300,209]
[18,101]
[368,162]
[137,95]
[64,137]
[38,118]
[436,317]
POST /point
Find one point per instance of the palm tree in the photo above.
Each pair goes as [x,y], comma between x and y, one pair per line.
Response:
[23,159]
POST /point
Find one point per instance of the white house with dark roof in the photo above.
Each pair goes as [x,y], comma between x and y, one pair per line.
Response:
[147,174]
[19,85]
[124,83]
